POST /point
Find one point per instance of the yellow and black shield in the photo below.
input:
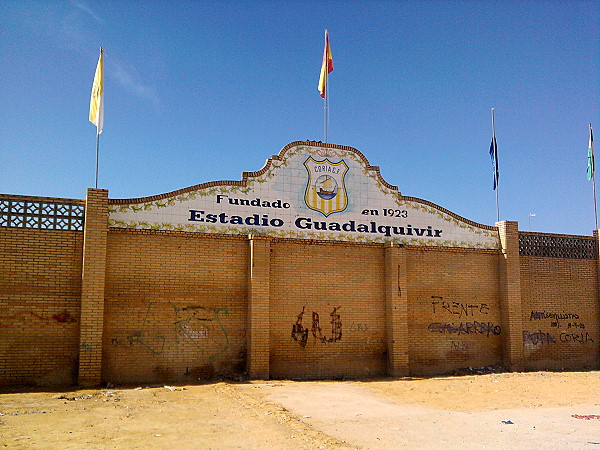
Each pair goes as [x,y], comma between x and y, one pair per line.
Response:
[325,189]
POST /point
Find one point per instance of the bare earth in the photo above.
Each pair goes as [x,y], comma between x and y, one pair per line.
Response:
[494,411]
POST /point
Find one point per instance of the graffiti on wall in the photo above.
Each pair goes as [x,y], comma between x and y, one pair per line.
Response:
[480,328]
[300,333]
[558,320]
[194,324]
[537,337]
[577,338]
[358,327]
[462,346]
[460,309]
[573,329]
[462,319]
[28,316]
[154,343]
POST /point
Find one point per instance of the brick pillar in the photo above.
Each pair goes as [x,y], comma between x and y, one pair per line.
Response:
[597,236]
[396,310]
[258,307]
[510,291]
[92,287]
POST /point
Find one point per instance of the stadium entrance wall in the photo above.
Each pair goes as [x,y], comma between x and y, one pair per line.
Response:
[312,267]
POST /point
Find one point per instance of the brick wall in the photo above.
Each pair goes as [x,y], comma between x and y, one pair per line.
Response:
[454,318]
[175,306]
[40,295]
[561,313]
[327,310]
[133,306]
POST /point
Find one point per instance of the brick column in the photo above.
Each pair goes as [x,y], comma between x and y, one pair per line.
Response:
[258,307]
[510,291]
[92,287]
[597,236]
[396,310]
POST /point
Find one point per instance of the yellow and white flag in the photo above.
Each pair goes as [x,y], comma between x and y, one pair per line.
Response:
[97,100]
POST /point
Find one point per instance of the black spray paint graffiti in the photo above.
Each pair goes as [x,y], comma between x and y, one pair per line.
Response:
[481,328]
[540,337]
[300,333]
[558,319]
[539,315]
[459,309]
[580,338]
[336,327]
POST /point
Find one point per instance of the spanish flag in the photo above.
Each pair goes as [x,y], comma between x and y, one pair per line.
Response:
[326,67]
[97,100]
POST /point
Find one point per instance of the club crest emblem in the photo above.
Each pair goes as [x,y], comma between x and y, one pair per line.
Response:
[325,190]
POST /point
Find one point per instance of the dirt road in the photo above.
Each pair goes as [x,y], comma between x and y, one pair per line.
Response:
[495,411]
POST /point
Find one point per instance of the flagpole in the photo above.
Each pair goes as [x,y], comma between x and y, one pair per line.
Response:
[326,67]
[595,207]
[593,175]
[326,98]
[325,111]
[97,152]
[495,165]
[97,105]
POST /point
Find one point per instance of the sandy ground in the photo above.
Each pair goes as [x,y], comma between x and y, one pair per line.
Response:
[495,411]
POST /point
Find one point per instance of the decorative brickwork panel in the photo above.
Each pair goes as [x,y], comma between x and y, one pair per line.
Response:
[40,213]
[557,246]
[310,191]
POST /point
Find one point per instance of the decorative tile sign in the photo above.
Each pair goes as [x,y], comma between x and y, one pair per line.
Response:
[308,191]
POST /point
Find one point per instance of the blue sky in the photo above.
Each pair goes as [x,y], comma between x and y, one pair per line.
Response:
[201,91]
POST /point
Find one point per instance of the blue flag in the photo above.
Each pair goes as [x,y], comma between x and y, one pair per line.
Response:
[494,156]
[591,165]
